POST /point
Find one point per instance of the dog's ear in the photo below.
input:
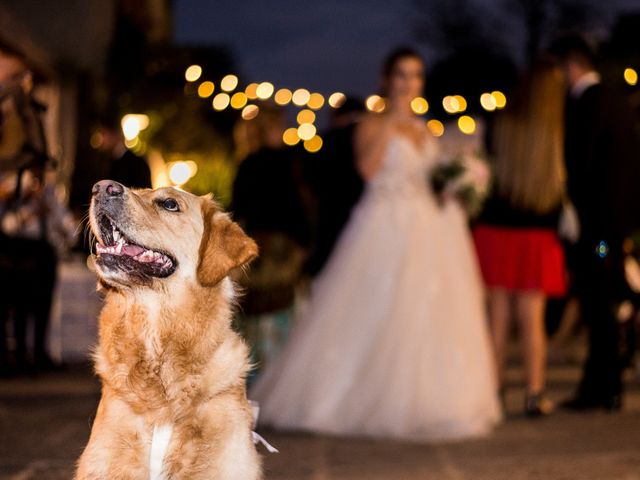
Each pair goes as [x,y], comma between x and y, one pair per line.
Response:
[224,246]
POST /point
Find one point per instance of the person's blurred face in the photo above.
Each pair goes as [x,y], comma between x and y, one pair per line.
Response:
[406,80]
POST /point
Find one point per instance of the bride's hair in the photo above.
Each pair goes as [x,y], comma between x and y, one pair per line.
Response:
[392,59]
[528,142]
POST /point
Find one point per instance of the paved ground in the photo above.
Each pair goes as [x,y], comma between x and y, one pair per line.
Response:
[45,421]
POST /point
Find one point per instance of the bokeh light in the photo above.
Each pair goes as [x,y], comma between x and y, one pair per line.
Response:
[264,90]
[375,103]
[301,97]
[283,96]
[206,89]
[630,76]
[193,73]
[500,98]
[221,101]
[435,127]
[251,91]
[419,106]
[132,124]
[306,131]
[181,172]
[290,136]
[488,102]
[316,101]
[229,83]
[467,125]
[238,100]
[306,116]
[450,104]
[462,103]
[336,99]
[250,112]
[313,145]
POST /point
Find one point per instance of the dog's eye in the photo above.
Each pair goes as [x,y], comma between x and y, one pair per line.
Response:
[170,204]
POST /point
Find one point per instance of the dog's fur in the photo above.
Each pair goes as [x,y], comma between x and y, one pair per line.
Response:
[167,354]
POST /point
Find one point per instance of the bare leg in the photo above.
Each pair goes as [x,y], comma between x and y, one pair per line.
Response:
[499,316]
[530,313]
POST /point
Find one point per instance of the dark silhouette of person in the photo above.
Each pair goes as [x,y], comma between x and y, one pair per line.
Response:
[334,182]
[126,167]
[603,171]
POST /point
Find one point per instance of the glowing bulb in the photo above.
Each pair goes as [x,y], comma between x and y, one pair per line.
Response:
[306,116]
[132,124]
[250,112]
[375,103]
[450,104]
[337,99]
[193,73]
[238,100]
[419,106]
[306,131]
[221,101]
[228,83]
[488,102]
[283,96]
[290,136]
[301,97]
[466,124]
[630,76]
[501,100]
[251,91]
[180,173]
[316,101]
[313,145]
[264,90]
[435,127]
[462,103]
[205,89]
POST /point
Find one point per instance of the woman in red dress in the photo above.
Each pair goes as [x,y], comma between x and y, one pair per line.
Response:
[520,255]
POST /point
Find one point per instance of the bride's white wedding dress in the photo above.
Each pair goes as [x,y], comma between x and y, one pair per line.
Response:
[394,341]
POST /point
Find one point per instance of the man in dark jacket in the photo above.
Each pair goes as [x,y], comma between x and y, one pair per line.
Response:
[603,168]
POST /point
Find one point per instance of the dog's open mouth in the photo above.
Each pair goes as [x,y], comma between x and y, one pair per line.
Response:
[118,251]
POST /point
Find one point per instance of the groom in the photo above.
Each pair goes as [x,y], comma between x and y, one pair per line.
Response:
[603,172]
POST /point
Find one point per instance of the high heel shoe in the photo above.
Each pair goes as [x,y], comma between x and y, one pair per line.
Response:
[538,405]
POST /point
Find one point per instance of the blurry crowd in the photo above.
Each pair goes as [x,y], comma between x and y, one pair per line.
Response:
[555,240]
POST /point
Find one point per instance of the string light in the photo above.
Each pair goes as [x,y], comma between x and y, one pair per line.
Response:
[499,97]
[132,124]
[206,89]
[251,91]
[306,116]
[450,104]
[316,101]
[229,83]
[283,96]
[462,103]
[264,90]
[630,76]
[419,106]
[238,100]
[488,102]
[306,131]
[221,101]
[250,112]
[290,136]
[300,97]
[467,125]
[313,145]
[336,99]
[193,73]
[375,103]
[435,127]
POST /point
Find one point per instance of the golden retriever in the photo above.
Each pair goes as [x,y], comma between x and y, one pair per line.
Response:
[173,371]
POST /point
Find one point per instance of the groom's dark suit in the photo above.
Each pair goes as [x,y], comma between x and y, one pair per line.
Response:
[603,170]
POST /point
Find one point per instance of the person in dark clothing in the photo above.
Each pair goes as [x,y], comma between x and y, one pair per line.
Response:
[334,181]
[602,172]
[126,167]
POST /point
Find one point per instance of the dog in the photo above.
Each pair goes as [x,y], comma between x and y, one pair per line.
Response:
[173,403]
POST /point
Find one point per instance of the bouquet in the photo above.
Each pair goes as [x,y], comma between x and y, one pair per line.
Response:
[465,177]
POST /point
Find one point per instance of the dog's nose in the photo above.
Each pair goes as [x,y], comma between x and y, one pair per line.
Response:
[108,187]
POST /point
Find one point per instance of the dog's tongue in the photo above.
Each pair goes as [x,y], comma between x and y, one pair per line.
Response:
[132,250]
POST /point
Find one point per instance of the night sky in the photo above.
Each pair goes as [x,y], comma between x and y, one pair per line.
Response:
[321,45]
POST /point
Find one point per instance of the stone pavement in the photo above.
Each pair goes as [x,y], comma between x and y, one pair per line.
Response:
[45,421]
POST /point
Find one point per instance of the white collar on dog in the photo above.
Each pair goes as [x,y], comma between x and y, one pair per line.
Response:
[159,444]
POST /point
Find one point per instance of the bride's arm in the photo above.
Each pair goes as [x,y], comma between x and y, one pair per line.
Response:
[370,139]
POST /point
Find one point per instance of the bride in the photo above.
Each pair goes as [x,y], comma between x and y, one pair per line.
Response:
[394,341]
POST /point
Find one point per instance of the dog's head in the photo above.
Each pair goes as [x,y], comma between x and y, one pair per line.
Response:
[152,237]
